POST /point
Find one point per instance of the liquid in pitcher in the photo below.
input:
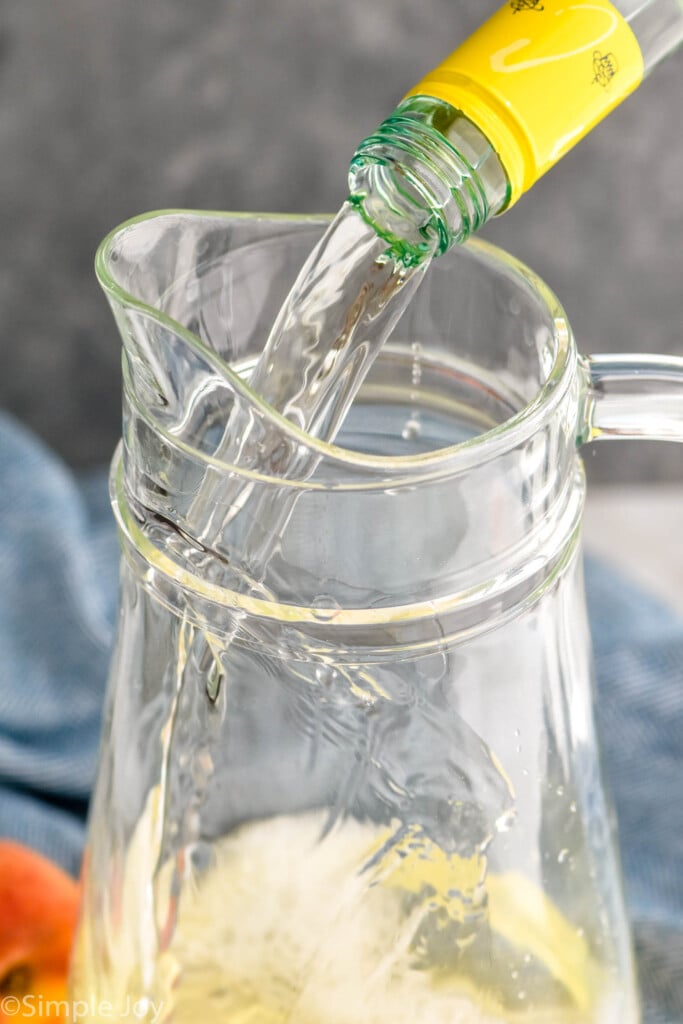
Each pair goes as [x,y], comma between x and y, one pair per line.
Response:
[364,923]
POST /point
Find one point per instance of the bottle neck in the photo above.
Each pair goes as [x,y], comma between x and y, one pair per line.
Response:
[656,24]
[427,178]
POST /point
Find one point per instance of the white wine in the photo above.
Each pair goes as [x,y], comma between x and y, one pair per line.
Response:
[288,923]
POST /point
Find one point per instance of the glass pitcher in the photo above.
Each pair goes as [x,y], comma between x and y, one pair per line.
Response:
[349,768]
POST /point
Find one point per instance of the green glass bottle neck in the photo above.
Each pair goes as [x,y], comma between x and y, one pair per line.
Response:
[426,179]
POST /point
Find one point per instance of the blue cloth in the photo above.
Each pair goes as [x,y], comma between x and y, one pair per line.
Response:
[58,573]
[59,568]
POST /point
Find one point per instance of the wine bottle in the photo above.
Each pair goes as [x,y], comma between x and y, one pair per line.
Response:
[506,105]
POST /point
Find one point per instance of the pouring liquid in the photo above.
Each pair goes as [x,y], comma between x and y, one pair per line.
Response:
[346,300]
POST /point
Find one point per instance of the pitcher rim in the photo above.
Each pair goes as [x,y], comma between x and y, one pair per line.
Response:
[451,459]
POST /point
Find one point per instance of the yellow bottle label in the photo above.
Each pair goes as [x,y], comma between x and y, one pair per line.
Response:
[537,77]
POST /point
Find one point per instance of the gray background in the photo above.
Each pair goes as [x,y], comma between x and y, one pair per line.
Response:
[113,107]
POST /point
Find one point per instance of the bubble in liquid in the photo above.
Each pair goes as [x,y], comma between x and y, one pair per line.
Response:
[324,607]
[416,369]
[518,745]
[412,429]
[506,820]
[563,856]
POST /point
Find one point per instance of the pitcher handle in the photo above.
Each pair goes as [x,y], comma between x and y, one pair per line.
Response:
[633,396]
